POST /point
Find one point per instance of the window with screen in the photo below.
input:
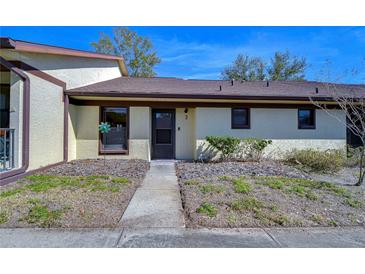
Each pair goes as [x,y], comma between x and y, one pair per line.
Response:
[240,118]
[306,119]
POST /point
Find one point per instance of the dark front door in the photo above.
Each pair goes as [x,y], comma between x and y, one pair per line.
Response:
[163,133]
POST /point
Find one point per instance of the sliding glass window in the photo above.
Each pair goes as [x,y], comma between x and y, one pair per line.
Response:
[116,141]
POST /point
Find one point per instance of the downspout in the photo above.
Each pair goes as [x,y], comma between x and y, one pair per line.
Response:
[66,102]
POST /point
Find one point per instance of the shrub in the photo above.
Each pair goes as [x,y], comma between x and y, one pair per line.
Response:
[317,161]
[252,148]
[225,144]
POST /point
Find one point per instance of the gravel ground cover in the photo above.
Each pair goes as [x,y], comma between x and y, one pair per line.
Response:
[82,193]
[249,194]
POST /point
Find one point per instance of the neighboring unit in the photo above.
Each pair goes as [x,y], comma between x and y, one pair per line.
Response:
[53,98]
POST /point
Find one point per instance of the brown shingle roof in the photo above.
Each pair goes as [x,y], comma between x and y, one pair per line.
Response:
[214,89]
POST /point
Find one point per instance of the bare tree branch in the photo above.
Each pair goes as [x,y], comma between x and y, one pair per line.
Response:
[352,103]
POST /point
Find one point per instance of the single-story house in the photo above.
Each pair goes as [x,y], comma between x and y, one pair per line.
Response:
[53,99]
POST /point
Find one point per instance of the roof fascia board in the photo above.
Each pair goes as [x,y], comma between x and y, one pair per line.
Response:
[7,43]
[196,96]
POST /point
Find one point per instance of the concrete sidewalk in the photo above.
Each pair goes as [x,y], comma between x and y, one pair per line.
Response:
[157,202]
[181,237]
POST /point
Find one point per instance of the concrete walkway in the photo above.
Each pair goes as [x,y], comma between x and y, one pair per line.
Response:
[181,237]
[157,202]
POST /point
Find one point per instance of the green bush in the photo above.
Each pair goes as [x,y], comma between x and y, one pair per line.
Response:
[232,147]
[225,144]
[317,161]
[252,148]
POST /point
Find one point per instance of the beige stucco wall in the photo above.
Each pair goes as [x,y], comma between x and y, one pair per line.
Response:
[87,136]
[87,132]
[139,126]
[72,127]
[279,125]
[46,123]
[75,71]
[185,134]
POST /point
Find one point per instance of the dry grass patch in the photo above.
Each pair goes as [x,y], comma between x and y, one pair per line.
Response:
[211,188]
[254,201]
[208,209]
[56,200]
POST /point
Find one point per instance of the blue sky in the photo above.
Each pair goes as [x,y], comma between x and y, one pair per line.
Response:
[202,52]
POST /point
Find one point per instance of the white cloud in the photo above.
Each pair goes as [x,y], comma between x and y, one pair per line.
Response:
[206,60]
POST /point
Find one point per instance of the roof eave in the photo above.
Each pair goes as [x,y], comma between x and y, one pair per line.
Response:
[196,96]
[8,43]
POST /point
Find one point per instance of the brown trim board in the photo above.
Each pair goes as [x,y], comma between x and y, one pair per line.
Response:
[26,112]
[172,104]
[76,92]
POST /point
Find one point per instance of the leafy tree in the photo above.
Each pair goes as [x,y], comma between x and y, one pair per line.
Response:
[285,67]
[282,67]
[245,68]
[137,51]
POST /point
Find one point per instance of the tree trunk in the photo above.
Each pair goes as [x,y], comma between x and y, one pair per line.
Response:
[362,171]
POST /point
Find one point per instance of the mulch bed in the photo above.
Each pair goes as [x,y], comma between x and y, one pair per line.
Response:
[190,170]
[205,184]
[97,199]
[124,168]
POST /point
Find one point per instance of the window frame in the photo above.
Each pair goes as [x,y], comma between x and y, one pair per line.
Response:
[101,150]
[248,125]
[313,110]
